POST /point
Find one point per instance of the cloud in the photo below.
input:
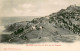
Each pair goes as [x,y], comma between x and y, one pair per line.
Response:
[34,7]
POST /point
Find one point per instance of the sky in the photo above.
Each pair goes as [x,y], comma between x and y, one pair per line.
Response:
[9,8]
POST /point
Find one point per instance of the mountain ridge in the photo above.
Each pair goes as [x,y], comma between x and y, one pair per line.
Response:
[63,22]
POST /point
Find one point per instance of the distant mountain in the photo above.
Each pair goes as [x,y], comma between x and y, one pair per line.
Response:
[10,20]
[63,22]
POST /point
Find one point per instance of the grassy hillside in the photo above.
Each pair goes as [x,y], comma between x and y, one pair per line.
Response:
[60,26]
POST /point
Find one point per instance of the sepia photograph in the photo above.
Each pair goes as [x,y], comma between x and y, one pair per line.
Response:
[40,23]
